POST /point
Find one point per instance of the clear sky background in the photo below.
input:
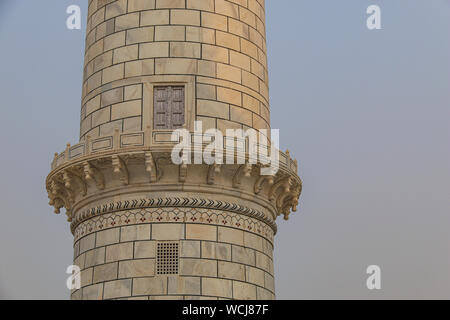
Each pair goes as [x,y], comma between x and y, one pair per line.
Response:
[366,113]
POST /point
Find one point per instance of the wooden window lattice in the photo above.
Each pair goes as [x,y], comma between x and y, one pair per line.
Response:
[169,107]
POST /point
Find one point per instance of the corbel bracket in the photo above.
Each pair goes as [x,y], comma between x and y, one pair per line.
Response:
[93,173]
[183,168]
[244,170]
[260,182]
[284,183]
[150,167]
[60,197]
[120,169]
[70,176]
[212,171]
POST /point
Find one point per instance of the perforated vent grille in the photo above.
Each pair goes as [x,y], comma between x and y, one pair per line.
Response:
[167,258]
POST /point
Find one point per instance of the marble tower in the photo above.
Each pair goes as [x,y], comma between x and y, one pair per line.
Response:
[143,227]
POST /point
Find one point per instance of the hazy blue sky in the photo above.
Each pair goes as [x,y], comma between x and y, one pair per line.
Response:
[366,113]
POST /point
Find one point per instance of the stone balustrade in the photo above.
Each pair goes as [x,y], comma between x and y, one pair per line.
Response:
[138,141]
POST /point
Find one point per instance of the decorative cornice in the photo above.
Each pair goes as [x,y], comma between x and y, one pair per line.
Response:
[173,202]
[92,167]
[173,215]
[139,141]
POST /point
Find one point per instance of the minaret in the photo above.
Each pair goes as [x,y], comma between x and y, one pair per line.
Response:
[144,227]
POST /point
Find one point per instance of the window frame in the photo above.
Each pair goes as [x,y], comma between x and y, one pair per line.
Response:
[169,113]
[162,136]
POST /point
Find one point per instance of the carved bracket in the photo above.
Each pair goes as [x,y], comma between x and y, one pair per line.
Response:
[161,162]
[212,171]
[120,168]
[92,173]
[244,170]
[150,167]
[182,172]
[287,199]
[284,183]
[60,197]
[68,178]
[260,182]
